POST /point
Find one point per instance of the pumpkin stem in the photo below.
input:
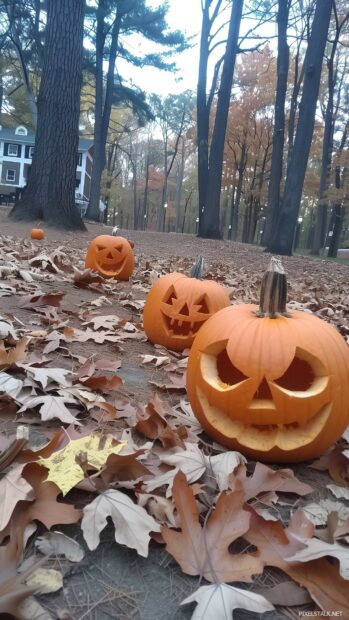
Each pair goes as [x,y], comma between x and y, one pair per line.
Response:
[273,295]
[197,269]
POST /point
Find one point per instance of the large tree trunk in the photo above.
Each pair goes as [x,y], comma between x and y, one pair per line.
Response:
[50,194]
[203,113]
[273,204]
[282,240]
[210,228]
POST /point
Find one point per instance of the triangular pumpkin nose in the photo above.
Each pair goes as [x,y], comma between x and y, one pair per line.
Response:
[185,310]
[263,391]
[109,255]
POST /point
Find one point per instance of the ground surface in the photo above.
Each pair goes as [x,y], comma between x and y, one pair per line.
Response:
[114,582]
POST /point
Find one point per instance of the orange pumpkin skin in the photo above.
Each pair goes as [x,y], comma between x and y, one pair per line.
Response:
[275,389]
[177,306]
[110,256]
[37,233]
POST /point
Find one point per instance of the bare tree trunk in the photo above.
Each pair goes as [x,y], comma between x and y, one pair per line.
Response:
[282,240]
[179,186]
[273,204]
[210,227]
[102,108]
[235,211]
[50,193]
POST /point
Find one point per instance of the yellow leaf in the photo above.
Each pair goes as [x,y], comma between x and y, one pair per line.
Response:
[63,465]
[45,580]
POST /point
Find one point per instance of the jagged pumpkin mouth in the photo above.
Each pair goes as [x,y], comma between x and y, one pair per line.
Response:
[287,412]
[182,327]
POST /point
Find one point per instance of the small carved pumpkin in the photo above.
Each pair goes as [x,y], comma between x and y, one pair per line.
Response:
[177,306]
[274,386]
[111,256]
[37,233]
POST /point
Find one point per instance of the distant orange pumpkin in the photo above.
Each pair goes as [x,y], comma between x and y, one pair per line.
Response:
[111,256]
[37,233]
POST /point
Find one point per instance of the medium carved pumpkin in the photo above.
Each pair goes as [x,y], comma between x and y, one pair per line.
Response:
[111,256]
[37,233]
[177,306]
[273,385]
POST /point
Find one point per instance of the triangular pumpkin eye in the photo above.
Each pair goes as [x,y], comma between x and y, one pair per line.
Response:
[119,248]
[227,372]
[203,305]
[171,297]
[100,247]
[298,377]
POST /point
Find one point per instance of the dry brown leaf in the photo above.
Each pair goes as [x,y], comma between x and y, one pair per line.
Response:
[83,279]
[204,550]
[101,383]
[322,580]
[177,384]
[108,321]
[218,602]
[264,479]
[13,590]
[153,425]
[13,489]
[132,523]
[120,468]
[336,463]
[11,357]
[57,543]
[41,299]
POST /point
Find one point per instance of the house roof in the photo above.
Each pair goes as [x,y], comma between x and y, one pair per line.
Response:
[7,134]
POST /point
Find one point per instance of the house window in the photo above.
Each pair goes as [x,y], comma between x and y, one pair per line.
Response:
[31,152]
[21,131]
[79,159]
[13,150]
[10,175]
[77,183]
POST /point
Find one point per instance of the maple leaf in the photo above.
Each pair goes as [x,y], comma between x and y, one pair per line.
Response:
[51,407]
[101,383]
[66,472]
[46,375]
[220,600]
[153,425]
[318,548]
[42,299]
[322,580]
[120,467]
[12,589]
[10,385]
[12,356]
[44,508]
[13,489]
[190,461]
[264,479]
[336,462]
[204,550]
[108,321]
[132,523]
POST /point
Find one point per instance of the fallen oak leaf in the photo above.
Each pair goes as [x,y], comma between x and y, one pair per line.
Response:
[51,407]
[132,523]
[64,468]
[204,550]
[41,299]
[101,383]
[13,489]
[219,600]
[12,356]
[45,507]
[322,580]
[83,279]
[264,479]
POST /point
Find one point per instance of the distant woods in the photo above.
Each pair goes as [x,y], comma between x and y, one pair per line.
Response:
[257,153]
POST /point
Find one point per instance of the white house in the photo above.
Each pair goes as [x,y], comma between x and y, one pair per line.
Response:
[16,152]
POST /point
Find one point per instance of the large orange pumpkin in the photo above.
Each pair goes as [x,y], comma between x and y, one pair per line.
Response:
[111,256]
[177,306]
[273,385]
[37,233]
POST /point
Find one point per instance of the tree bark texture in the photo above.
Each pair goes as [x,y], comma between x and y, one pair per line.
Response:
[104,100]
[50,194]
[210,228]
[274,189]
[203,113]
[282,240]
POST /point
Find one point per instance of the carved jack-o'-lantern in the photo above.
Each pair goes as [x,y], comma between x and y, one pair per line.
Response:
[274,386]
[111,256]
[177,306]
